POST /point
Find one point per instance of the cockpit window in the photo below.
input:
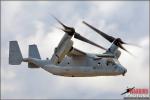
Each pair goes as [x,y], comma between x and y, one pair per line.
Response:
[116,61]
[110,62]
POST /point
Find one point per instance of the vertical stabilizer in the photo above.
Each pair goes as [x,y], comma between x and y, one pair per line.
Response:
[15,56]
[33,53]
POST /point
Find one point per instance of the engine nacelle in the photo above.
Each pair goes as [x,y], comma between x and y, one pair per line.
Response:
[117,53]
[60,52]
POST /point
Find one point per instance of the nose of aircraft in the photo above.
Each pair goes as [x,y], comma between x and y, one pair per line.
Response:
[124,71]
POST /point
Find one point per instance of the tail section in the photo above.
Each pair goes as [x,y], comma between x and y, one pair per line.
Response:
[33,53]
[15,56]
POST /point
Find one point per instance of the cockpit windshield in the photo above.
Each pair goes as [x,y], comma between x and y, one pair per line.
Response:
[116,61]
[111,62]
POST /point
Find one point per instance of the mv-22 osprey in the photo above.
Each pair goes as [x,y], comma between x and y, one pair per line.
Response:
[71,62]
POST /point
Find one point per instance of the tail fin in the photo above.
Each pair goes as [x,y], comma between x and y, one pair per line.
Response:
[33,53]
[15,56]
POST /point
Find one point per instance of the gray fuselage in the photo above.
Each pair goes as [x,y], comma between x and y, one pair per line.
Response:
[84,66]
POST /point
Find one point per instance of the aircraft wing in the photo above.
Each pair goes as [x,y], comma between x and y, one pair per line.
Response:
[76,52]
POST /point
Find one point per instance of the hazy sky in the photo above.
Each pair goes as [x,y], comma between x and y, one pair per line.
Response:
[31,23]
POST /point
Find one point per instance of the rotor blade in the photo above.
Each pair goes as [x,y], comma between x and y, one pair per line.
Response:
[131,44]
[59,22]
[120,45]
[69,30]
[79,37]
[109,38]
